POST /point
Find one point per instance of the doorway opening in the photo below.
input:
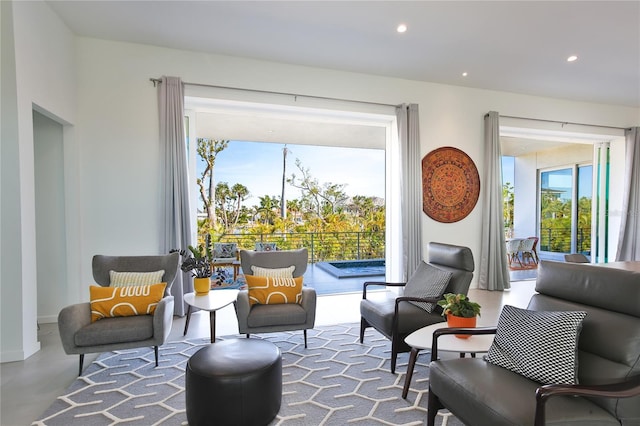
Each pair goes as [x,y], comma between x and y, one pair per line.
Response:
[558,183]
[50,212]
[371,129]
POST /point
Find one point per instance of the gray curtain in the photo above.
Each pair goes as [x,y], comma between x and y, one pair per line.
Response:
[409,137]
[494,269]
[629,242]
[175,224]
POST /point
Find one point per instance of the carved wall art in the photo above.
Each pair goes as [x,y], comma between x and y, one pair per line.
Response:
[450,184]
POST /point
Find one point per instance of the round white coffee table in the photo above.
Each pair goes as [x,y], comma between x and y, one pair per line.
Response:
[211,302]
[423,339]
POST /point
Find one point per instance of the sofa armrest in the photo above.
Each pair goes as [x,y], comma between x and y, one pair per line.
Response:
[625,389]
[162,319]
[309,304]
[456,330]
[378,283]
[71,319]
[242,309]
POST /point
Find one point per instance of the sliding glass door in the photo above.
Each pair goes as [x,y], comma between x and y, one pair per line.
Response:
[565,209]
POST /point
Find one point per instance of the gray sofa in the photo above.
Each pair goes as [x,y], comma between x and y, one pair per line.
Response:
[481,393]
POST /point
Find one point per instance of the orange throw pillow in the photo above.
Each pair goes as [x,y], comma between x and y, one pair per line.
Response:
[107,302]
[273,290]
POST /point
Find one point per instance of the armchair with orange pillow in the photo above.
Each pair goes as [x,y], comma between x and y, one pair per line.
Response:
[276,298]
[131,306]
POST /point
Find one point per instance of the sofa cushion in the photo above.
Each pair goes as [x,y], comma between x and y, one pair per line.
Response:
[276,315]
[273,272]
[540,345]
[273,291]
[428,281]
[115,330]
[122,279]
[480,393]
[379,314]
[107,302]
[225,250]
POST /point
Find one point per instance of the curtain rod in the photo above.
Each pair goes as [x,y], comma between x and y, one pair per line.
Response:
[157,81]
[563,122]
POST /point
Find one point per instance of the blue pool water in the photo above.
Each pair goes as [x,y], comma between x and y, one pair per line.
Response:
[354,268]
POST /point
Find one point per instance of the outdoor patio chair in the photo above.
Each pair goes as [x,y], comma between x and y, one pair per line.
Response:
[535,248]
[226,254]
[526,248]
[513,250]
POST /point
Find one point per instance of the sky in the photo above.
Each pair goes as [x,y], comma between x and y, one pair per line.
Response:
[258,166]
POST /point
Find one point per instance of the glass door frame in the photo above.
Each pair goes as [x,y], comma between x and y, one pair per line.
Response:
[574,168]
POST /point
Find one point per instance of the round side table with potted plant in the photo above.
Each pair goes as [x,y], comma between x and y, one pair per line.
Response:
[462,344]
[197,261]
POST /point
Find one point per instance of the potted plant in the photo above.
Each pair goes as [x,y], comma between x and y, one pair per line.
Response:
[198,261]
[460,311]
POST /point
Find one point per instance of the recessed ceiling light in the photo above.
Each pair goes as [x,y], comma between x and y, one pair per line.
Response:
[402,28]
[464,74]
[572,58]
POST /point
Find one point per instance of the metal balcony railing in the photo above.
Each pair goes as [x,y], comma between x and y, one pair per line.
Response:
[558,240]
[322,246]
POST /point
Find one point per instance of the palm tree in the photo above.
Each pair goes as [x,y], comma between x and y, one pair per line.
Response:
[208,149]
[283,205]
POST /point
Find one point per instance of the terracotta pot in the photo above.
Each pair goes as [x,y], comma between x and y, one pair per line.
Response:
[454,321]
[201,285]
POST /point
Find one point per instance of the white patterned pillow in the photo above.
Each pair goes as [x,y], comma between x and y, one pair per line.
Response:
[427,281]
[124,279]
[539,345]
[273,272]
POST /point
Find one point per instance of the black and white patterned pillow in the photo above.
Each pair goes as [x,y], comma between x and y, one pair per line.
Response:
[427,281]
[540,345]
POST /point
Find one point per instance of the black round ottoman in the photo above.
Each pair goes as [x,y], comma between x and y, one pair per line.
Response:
[234,382]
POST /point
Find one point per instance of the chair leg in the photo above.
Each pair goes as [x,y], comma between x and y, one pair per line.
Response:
[433,406]
[247,335]
[305,338]
[394,354]
[363,326]
[81,363]
[155,350]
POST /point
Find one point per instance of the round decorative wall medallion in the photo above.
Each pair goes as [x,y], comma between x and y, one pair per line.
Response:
[450,184]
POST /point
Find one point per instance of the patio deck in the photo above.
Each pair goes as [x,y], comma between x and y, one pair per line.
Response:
[326,284]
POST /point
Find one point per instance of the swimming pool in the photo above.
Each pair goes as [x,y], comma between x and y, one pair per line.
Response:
[353,268]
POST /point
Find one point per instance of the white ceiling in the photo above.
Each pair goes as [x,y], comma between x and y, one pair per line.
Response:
[513,46]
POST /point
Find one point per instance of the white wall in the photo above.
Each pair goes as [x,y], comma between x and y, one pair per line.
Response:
[112,155]
[117,129]
[43,75]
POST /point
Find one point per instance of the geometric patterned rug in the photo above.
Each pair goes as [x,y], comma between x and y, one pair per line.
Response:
[336,381]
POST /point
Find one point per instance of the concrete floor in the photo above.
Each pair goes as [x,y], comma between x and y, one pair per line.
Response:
[29,387]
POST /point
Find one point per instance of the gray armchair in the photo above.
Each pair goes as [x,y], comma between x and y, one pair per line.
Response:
[396,317]
[281,317]
[80,336]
